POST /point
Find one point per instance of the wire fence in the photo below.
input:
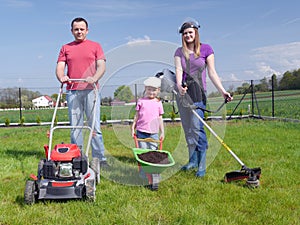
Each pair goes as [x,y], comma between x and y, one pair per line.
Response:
[16,103]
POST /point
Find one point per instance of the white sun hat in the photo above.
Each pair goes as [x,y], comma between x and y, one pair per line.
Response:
[152,82]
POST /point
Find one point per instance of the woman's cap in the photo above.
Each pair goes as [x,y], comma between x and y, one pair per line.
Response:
[152,82]
[189,24]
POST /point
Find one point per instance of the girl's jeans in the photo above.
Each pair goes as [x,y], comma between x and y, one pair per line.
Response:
[147,145]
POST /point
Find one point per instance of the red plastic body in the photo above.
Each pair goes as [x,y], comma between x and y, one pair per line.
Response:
[63,152]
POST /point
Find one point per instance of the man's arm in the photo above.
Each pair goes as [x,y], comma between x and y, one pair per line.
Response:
[100,70]
[60,72]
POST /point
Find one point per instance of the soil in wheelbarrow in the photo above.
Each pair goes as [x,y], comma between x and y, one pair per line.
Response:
[154,157]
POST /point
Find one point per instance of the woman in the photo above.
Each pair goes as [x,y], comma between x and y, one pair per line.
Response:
[191,62]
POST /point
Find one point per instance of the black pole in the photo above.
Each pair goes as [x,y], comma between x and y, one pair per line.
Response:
[273,106]
[252,97]
[20,104]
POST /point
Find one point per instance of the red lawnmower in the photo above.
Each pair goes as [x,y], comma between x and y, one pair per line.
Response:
[65,173]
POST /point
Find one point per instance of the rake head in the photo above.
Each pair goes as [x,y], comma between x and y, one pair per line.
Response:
[252,176]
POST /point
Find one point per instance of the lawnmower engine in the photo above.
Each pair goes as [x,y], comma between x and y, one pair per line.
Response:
[66,162]
[66,175]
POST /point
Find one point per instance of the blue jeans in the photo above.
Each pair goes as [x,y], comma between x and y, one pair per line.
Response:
[147,145]
[193,128]
[79,103]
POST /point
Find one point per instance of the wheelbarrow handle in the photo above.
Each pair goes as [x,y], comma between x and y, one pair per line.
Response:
[136,140]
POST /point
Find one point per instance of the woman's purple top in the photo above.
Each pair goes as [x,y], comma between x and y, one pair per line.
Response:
[196,64]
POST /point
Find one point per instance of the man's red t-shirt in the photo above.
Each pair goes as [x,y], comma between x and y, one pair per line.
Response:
[80,58]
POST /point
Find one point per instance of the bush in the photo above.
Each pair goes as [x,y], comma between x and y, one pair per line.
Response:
[104,118]
[7,122]
[172,115]
[38,120]
[22,121]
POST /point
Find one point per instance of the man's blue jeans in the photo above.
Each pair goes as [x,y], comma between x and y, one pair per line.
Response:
[81,103]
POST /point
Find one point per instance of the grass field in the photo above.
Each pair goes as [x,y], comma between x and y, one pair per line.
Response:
[181,198]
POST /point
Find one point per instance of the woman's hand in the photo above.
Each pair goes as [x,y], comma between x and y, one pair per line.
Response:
[227,96]
[182,90]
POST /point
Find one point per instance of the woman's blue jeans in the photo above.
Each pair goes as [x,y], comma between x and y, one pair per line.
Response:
[81,103]
[193,128]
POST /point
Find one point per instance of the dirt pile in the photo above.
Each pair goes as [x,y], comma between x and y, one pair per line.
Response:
[154,157]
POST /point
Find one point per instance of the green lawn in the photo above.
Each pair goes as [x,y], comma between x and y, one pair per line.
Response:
[181,198]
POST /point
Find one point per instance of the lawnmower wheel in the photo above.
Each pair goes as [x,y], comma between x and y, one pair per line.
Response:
[90,190]
[95,165]
[29,194]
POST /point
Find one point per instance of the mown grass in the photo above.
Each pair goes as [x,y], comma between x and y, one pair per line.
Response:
[182,198]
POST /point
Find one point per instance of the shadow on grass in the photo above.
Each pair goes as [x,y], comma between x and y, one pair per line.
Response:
[21,154]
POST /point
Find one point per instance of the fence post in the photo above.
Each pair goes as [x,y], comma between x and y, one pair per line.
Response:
[20,103]
[273,106]
[252,97]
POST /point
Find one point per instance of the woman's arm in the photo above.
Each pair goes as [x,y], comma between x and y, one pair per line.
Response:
[179,73]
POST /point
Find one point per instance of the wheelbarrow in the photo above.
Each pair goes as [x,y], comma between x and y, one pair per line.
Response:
[152,163]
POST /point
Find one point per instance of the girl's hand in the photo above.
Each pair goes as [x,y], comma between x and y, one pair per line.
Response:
[162,136]
[132,133]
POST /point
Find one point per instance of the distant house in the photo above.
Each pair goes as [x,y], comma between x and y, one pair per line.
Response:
[42,101]
[117,102]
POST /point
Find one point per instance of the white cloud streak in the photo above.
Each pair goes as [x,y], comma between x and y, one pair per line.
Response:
[277,58]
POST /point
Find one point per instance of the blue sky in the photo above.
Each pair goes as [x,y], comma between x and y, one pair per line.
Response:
[251,39]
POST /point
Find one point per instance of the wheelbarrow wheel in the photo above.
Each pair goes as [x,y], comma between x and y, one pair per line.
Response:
[155,181]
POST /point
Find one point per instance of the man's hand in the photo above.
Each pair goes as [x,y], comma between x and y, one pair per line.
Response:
[90,80]
[64,79]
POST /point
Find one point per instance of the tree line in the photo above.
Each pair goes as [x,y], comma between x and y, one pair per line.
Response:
[10,97]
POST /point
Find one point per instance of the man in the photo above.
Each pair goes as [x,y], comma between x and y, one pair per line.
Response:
[84,59]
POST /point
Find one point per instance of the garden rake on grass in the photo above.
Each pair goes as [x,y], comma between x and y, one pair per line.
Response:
[251,175]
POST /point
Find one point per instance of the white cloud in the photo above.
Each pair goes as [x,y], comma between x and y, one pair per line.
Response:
[296,20]
[276,58]
[18,4]
[133,41]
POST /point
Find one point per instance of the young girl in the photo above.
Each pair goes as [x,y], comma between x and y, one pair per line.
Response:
[148,118]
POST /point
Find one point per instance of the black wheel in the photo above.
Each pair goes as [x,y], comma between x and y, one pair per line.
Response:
[95,166]
[155,181]
[90,190]
[30,192]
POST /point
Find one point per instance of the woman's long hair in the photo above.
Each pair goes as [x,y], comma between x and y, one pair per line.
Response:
[196,45]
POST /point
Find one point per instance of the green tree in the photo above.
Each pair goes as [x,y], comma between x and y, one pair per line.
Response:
[242,89]
[123,93]
[262,86]
[287,82]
